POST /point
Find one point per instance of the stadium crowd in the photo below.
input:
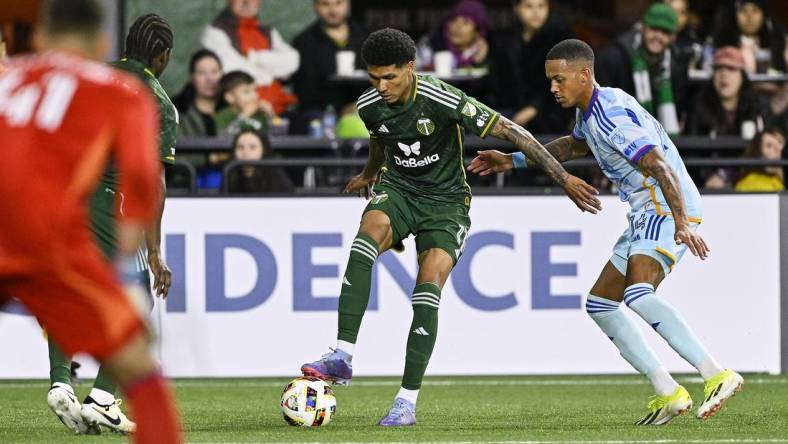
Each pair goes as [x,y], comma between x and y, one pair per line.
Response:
[725,78]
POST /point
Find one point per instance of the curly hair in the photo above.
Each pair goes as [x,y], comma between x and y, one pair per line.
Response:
[388,46]
[149,36]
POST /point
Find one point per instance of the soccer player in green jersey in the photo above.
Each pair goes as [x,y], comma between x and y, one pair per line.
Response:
[148,47]
[416,125]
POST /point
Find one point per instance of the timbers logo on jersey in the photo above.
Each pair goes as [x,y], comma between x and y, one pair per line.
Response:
[423,137]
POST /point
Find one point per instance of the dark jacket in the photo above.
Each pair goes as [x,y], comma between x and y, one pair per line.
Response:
[318,62]
[687,48]
[518,79]
[193,123]
[707,117]
[266,179]
[613,68]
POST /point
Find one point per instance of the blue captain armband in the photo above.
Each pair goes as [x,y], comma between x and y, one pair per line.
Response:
[518,159]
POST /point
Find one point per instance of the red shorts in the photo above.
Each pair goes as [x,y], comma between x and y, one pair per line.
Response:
[77,299]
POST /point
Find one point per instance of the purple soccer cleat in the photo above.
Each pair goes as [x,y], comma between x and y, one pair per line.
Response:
[402,413]
[334,367]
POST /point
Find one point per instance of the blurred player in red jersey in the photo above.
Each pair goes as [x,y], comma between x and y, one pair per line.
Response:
[62,116]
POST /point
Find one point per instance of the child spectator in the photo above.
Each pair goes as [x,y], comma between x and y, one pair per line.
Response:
[245,109]
[768,144]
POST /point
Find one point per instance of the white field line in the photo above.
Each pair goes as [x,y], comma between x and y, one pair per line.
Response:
[609,381]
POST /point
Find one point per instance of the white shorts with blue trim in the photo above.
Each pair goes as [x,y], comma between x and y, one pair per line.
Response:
[649,234]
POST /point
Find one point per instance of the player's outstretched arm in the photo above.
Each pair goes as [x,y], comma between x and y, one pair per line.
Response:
[562,149]
[363,182]
[567,148]
[654,165]
[489,162]
[581,193]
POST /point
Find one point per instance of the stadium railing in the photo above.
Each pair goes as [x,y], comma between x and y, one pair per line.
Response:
[288,144]
[346,157]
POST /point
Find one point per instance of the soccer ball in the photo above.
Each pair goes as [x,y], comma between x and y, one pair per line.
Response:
[308,402]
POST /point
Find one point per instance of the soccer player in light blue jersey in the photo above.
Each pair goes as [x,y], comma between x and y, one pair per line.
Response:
[636,154]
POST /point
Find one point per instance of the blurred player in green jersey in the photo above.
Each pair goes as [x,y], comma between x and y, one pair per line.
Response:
[148,47]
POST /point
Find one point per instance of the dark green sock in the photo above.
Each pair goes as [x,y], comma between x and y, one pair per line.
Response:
[423,331]
[59,365]
[104,381]
[356,284]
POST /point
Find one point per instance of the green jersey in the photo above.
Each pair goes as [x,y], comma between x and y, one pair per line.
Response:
[423,137]
[168,116]
[104,201]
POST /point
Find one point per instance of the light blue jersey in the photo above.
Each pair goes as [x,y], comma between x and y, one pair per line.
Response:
[619,132]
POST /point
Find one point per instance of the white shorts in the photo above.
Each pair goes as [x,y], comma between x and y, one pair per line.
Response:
[650,235]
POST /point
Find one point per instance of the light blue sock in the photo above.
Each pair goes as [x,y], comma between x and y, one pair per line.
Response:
[620,329]
[669,323]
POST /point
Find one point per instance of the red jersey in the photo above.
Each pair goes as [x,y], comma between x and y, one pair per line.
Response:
[62,117]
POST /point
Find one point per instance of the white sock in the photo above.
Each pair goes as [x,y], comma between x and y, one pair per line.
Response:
[669,323]
[102,397]
[709,367]
[663,383]
[64,386]
[346,347]
[408,395]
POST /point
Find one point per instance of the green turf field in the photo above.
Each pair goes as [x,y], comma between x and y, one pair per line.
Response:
[451,409]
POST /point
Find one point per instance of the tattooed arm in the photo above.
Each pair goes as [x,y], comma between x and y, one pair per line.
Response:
[562,149]
[653,164]
[523,140]
[567,148]
[581,193]
[363,182]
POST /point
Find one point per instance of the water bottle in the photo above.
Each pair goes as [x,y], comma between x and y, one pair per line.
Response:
[315,129]
[708,57]
[330,123]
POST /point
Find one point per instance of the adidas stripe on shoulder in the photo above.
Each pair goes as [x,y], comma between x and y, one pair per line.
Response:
[436,94]
[443,92]
[368,98]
